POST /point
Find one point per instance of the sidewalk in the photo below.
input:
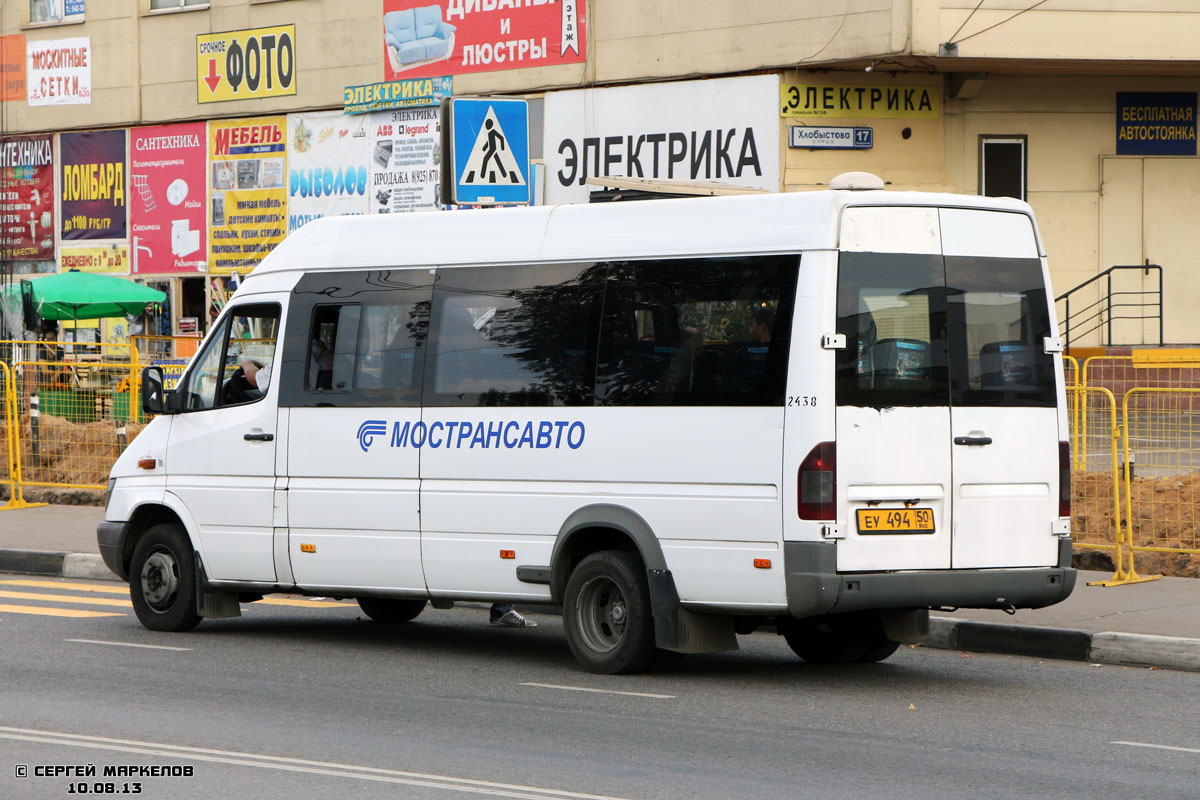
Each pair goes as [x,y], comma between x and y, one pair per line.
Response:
[1150,624]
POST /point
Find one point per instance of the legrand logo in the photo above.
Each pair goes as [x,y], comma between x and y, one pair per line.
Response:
[465,435]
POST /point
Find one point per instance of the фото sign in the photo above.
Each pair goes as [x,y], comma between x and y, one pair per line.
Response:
[241,65]
[247,173]
[59,72]
[167,209]
[724,130]
[439,37]
[1156,123]
[93,185]
[328,153]
[27,222]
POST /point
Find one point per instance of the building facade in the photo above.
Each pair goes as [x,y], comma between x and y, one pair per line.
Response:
[176,141]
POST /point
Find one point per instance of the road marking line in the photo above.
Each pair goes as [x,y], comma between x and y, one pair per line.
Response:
[128,644]
[295,765]
[82,587]
[57,612]
[66,598]
[1159,747]
[599,691]
[279,601]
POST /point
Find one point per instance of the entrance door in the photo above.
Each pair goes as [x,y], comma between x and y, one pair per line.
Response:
[221,455]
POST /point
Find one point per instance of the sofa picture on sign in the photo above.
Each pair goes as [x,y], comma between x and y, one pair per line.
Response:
[415,37]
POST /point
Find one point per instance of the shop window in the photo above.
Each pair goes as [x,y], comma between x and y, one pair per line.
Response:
[1003,162]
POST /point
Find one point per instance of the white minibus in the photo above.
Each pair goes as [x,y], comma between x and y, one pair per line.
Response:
[823,413]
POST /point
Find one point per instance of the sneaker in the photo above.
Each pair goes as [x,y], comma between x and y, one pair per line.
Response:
[512,619]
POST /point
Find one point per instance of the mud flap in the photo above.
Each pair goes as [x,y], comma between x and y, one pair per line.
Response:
[683,631]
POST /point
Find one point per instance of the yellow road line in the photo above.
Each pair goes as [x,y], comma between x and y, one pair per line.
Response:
[276,601]
[82,587]
[66,598]
[56,612]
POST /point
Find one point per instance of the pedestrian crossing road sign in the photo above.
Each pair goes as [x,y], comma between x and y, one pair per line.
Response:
[489,151]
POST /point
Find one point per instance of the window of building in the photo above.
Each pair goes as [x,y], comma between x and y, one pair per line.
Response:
[1003,166]
[160,5]
[48,11]
[707,332]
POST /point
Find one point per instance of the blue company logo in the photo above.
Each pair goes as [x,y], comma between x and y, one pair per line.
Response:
[464,435]
[369,430]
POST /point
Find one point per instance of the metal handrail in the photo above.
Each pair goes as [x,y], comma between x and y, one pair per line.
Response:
[1102,312]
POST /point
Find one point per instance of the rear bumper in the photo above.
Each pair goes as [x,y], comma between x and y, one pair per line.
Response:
[814,586]
[110,537]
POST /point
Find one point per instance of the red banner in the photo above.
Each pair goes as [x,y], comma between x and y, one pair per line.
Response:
[167,211]
[453,37]
[27,184]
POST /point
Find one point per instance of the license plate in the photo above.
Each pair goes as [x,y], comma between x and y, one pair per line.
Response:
[895,520]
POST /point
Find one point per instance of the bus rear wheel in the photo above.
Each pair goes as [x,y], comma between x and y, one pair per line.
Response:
[606,614]
[839,638]
[391,609]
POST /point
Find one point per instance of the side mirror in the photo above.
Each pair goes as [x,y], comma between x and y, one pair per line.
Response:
[154,396]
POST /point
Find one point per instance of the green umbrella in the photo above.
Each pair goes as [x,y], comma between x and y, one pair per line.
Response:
[87,295]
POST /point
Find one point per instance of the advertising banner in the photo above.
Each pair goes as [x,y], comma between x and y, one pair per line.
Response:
[876,102]
[396,94]
[58,72]
[1156,123]
[423,38]
[27,224]
[406,160]
[12,67]
[113,260]
[167,210]
[328,153]
[241,65]
[247,195]
[93,185]
[724,130]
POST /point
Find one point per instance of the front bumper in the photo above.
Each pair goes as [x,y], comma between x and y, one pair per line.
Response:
[814,586]
[110,536]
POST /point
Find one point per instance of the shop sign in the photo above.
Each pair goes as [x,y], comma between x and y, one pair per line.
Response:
[408,93]
[167,209]
[723,130]
[878,102]
[12,67]
[467,36]
[247,168]
[93,185]
[27,222]
[406,160]
[820,137]
[1156,123]
[59,71]
[113,260]
[242,65]
[328,153]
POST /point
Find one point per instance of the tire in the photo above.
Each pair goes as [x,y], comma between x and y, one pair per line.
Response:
[606,614]
[162,580]
[390,609]
[838,638]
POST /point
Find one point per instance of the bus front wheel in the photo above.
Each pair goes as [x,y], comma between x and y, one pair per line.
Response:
[606,614]
[162,580]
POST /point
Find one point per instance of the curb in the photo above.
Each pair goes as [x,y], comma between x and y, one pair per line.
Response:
[1106,647]
[56,564]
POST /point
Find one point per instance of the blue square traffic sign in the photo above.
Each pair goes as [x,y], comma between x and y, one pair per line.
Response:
[489,151]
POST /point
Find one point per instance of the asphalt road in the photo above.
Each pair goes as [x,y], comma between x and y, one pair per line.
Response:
[312,700]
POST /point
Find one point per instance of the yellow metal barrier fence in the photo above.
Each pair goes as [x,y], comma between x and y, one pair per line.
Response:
[1162,475]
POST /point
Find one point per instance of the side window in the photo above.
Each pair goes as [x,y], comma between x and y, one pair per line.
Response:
[696,331]
[891,309]
[514,336]
[237,364]
[357,338]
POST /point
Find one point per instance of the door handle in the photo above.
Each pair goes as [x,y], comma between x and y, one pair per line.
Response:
[259,437]
[973,440]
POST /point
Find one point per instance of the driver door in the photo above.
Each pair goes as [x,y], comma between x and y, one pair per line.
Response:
[220,459]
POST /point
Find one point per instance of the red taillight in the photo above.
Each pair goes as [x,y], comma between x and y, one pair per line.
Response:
[1064,479]
[817,480]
